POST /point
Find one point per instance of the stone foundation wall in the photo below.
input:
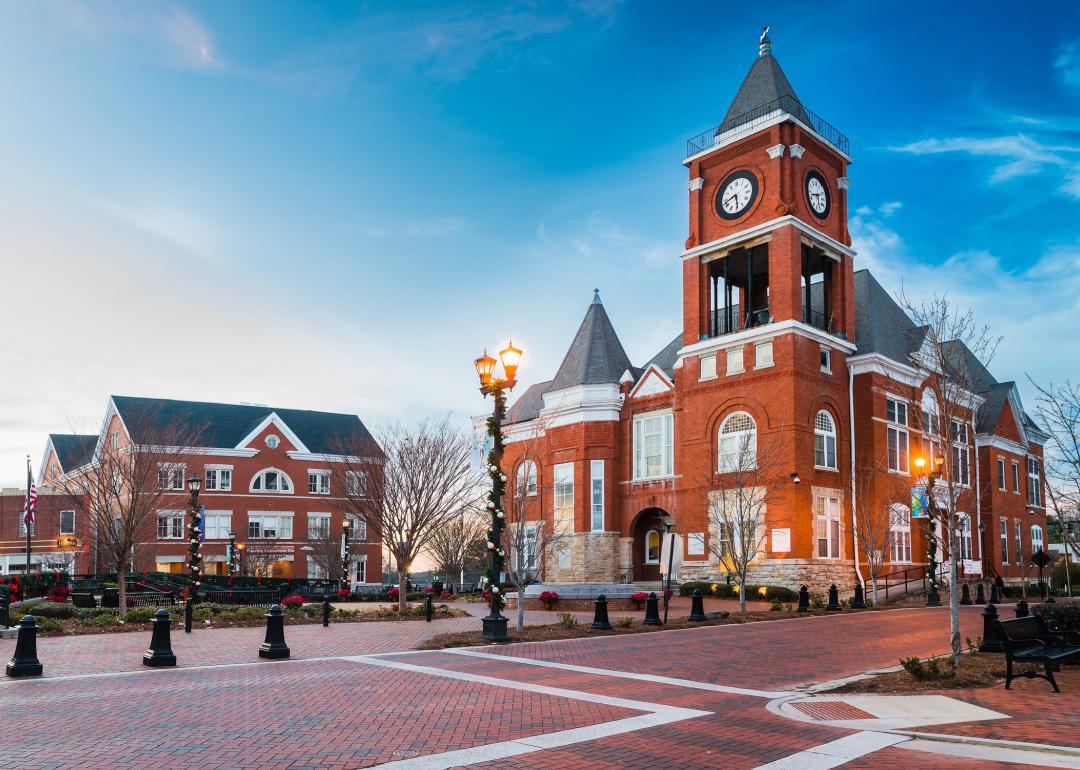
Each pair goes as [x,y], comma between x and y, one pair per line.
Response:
[818,575]
[574,605]
[591,557]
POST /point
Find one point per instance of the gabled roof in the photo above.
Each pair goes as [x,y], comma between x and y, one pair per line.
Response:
[881,325]
[665,359]
[73,450]
[528,404]
[224,426]
[595,356]
[764,83]
[965,366]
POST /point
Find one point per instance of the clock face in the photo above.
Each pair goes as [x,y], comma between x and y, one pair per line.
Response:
[817,194]
[736,194]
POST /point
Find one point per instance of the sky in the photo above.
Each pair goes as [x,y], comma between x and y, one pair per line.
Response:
[338,206]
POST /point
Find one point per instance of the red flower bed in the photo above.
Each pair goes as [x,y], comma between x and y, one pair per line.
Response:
[549,596]
[393,593]
[293,602]
[344,593]
[640,596]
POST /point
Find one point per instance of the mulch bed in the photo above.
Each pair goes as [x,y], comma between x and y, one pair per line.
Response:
[978,670]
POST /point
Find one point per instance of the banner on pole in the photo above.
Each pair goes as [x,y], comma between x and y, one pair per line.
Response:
[919,507]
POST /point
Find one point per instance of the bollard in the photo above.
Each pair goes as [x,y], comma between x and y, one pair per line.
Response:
[25,660]
[991,636]
[834,599]
[995,595]
[188,609]
[697,608]
[160,652]
[965,597]
[980,595]
[858,602]
[326,611]
[652,611]
[5,619]
[1022,609]
[429,610]
[600,620]
[804,599]
[273,645]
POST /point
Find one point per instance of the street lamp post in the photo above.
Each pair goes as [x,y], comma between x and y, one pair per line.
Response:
[194,537]
[495,622]
[232,557]
[933,598]
[240,559]
[345,582]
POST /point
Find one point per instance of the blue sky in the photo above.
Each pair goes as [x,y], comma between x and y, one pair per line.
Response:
[338,205]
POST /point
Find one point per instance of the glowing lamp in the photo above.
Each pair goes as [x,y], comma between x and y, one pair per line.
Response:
[194,484]
[510,357]
[485,365]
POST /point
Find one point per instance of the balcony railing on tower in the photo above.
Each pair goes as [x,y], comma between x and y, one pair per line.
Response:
[729,320]
[817,319]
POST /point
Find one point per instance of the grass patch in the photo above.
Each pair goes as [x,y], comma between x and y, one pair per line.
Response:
[981,669]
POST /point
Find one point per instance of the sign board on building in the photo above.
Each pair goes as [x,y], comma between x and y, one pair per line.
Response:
[666,553]
[781,540]
[972,567]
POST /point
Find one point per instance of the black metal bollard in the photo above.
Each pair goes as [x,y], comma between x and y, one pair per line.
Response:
[652,611]
[991,636]
[326,611]
[600,620]
[273,645]
[697,608]
[1022,609]
[834,599]
[858,602]
[965,595]
[429,609]
[5,619]
[980,595]
[25,660]
[804,599]
[995,595]
[188,610]
[160,652]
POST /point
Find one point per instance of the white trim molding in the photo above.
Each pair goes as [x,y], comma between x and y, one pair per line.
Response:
[797,150]
[764,333]
[876,363]
[776,151]
[652,370]
[273,419]
[696,184]
[735,239]
[582,403]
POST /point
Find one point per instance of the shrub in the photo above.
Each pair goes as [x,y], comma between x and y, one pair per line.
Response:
[140,614]
[344,593]
[104,620]
[817,601]
[549,596]
[567,620]
[624,622]
[392,594]
[51,609]
[688,588]
[446,595]
[1064,612]
[49,624]
[58,594]
[293,602]
[782,593]
[777,605]
[930,670]
[202,612]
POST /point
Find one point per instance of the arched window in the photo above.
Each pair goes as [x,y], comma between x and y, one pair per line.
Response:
[525,479]
[737,447]
[824,441]
[1036,538]
[963,535]
[899,533]
[273,481]
[652,547]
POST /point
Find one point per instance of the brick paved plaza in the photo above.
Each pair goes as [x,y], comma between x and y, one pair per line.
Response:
[359,695]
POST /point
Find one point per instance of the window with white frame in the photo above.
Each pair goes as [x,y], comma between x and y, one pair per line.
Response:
[763,355]
[900,534]
[898,438]
[67,522]
[654,445]
[652,547]
[930,418]
[359,529]
[218,478]
[272,480]
[1036,538]
[115,439]
[737,443]
[826,360]
[563,487]
[118,481]
[961,454]
[828,526]
[170,525]
[531,546]
[361,570]
[22,528]
[269,526]
[596,481]
[315,570]
[824,441]
[170,476]
[707,367]
[963,535]
[1034,482]
[525,479]
[356,483]
[734,360]
[1001,473]
[318,526]
[318,482]
[1003,526]
[218,524]
[1018,536]
[1015,477]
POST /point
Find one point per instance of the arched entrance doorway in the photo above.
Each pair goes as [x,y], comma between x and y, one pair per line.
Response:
[648,533]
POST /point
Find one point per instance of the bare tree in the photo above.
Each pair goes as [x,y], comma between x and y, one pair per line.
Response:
[456,542]
[130,483]
[951,362]
[426,480]
[1058,409]
[751,478]
[326,550]
[879,496]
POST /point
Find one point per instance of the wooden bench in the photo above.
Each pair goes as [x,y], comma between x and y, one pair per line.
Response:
[1029,640]
[83,600]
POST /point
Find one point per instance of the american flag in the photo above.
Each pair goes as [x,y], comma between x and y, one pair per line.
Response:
[31,500]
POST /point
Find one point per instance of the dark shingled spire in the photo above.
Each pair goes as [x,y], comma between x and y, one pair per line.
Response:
[595,356]
[764,83]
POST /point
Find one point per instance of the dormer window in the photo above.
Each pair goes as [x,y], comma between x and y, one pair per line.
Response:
[273,481]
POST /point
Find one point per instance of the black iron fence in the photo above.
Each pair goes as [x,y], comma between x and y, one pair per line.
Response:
[751,119]
[722,322]
[817,319]
[243,597]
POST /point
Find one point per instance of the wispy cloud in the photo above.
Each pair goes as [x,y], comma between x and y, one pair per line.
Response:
[599,237]
[1068,62]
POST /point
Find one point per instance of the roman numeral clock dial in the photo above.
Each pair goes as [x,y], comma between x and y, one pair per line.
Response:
[817,194]
[736,195]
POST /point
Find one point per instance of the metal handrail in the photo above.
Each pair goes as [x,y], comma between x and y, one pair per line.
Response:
[817,319]
[920,575]
[751,119]
[627,577]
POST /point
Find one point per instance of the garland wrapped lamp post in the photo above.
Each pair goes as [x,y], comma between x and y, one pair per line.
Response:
[345,582]
[194,537]
[933,599]
[495,622]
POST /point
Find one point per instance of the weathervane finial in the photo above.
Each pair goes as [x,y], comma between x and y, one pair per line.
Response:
[764,44]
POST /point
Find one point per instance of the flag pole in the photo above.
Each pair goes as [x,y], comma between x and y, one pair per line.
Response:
[26,514]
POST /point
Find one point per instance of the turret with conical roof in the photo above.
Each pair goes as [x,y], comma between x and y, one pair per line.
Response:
[596,355]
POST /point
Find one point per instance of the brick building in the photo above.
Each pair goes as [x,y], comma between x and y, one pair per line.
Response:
[56,537]
[271,476]
[784,344]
